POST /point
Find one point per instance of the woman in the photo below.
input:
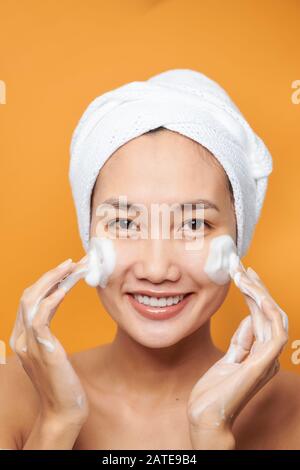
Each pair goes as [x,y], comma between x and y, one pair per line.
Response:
[160,384]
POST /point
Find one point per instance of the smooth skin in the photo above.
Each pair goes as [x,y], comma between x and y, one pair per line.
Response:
[156,386]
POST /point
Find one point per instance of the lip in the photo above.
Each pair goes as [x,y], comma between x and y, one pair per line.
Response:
[152,293]
[158,313]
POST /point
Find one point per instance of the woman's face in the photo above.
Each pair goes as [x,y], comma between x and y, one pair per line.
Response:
[162,168]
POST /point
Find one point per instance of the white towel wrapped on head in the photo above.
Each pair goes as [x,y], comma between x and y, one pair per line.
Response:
[185,101]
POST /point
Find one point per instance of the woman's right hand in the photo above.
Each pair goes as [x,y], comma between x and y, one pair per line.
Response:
[62,397]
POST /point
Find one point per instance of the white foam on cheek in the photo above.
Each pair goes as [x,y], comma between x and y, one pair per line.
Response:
[222,259]
[101,261]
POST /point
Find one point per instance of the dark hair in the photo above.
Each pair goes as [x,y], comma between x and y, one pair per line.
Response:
[161,128]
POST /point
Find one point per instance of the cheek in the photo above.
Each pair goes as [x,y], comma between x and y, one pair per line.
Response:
[211,294]
[127,254]
[193,261]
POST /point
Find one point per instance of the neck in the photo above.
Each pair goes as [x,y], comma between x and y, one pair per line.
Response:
[158,373]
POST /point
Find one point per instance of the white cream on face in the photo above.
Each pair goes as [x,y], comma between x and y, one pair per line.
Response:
[222,259]
[100,264]
[101,261]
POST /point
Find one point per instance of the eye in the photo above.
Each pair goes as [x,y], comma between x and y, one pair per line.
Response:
[196,224]
[123,226]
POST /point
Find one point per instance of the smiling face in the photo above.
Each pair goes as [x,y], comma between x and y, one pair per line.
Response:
[163,168]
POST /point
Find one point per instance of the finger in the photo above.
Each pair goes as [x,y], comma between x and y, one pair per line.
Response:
[53,275]
[39,329]
[241,342]
[264,376]
[78,272]
[29,302]
[277,322]
[279,333]
[30,312]
[46,284]
[251,291]
[262,327]
[237,406]
[38,332]
[21,344]
[258,280]
[49,306]
[70,281]
[249,378]
[83,260]
[17,329]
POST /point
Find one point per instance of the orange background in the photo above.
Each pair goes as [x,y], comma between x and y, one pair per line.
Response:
[58,55]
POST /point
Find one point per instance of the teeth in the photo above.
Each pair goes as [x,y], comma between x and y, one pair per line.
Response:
[158,302]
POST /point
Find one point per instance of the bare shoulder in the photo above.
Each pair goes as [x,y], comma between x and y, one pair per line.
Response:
[18,402]
[271,419]
[284,390]
[288,382]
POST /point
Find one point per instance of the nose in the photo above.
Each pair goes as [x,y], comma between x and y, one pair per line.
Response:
[157,262]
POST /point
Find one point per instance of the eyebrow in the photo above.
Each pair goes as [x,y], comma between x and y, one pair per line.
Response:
[117,204]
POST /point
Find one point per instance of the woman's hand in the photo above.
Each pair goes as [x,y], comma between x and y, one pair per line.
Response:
[63,401]
[250,362]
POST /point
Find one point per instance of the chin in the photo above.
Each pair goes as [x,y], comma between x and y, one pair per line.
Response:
[154,340]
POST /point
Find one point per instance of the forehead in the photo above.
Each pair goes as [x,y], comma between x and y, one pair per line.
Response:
[165,166]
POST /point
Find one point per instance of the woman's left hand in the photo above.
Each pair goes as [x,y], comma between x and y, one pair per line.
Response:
[250,362]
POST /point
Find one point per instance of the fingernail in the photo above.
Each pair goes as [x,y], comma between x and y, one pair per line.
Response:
[253,274]
[60,291]
[285,320]
[237,278]
[65,263]
[230,356]
[63,288]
